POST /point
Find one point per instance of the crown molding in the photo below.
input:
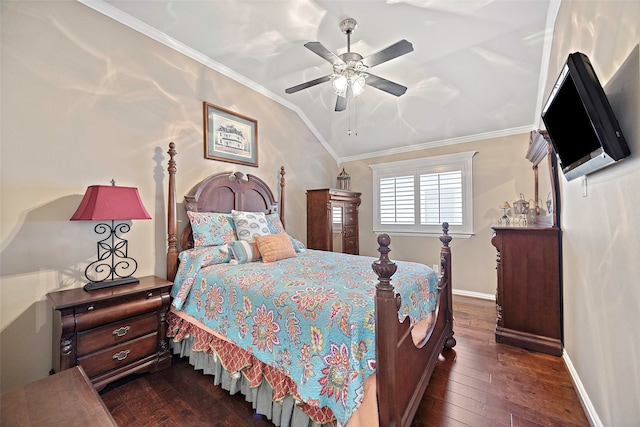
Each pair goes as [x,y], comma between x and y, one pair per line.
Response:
[442,142]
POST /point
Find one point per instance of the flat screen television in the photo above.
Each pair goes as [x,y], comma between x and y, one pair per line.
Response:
[583,129]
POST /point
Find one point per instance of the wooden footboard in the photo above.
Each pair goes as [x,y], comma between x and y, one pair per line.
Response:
[402,369]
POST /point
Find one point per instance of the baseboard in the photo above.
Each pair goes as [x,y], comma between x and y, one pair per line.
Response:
[472,294]
[590,411]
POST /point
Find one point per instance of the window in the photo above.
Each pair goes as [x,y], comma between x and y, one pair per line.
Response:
[417,196]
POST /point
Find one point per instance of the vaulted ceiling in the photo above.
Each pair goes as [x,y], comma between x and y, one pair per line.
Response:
[475,71]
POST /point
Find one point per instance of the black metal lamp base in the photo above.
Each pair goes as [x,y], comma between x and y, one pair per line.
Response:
[92,286]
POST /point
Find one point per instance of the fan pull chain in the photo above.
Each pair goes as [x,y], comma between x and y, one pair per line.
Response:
[353,100]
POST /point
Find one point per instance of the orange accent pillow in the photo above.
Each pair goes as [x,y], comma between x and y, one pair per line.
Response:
[274,247]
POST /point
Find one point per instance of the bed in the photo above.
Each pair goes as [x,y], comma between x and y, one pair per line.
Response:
[233,317]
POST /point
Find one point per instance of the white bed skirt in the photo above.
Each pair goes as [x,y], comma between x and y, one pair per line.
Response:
[283,414]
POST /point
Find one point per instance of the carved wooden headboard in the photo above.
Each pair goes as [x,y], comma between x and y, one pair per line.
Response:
[221,192]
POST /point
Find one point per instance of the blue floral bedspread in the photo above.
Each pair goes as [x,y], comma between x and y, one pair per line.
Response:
[311,316]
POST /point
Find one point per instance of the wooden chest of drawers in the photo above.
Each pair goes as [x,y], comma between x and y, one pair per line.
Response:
[529,294]
[112,332]
[332,220]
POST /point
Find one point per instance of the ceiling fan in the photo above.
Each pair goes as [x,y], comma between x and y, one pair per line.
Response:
[350,69]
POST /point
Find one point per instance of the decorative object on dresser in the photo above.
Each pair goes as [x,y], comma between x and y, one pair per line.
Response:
[112,332]
[64,399]
[529,295]
[504,219]
[332,220]
[521,210]
[107,202]
[344,181]
[396,368]
[230,137]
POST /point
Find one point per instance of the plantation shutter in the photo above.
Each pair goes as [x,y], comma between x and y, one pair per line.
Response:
[397,200]
[441,198]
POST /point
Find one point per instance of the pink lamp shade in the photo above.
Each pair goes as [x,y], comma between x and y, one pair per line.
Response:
[109,202]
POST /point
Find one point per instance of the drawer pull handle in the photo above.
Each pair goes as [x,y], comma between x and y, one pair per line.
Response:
[120,356]
[122,331]
[150,294]
[90,308]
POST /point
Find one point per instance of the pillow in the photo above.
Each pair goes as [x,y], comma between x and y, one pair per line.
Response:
[206,256]
[274,223]
[245,251]
[250,224]
[297,245]
[211,228]
[275,247]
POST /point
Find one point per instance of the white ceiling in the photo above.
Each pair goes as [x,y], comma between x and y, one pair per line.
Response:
[475,71]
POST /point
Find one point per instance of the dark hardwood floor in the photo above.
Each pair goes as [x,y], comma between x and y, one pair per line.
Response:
[478,383]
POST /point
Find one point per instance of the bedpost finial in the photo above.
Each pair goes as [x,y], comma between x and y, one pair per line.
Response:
[384,241]
[445,238]
[384,267]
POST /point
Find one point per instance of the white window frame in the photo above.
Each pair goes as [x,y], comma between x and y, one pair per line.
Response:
[436,164]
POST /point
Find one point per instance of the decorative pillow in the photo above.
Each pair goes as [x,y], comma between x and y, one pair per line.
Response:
[206,256]
[275,247]
[245,251]
[297,245]
[250,224]
[211,228]
[274,223]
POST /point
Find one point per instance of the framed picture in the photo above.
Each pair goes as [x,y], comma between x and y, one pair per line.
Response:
[230,137]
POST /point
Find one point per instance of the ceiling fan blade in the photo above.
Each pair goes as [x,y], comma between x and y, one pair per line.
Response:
[323,52]
[397,49]
[341,103]
[385,85]
[308,84]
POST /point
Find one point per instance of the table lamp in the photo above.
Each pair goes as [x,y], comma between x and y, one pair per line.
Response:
[110,202]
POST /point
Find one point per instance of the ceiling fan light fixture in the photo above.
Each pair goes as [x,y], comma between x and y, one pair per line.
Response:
[340,84]
[357,85]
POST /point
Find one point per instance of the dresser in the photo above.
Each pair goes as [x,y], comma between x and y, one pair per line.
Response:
[112,332]
[332,220]
[529,291]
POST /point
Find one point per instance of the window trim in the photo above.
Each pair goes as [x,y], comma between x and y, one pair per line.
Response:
[434,164]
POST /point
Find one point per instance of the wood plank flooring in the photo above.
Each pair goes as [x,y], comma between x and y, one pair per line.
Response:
[478,383]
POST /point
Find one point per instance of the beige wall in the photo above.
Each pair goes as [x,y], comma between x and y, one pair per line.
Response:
[601,232]
[500,172]
[84,100]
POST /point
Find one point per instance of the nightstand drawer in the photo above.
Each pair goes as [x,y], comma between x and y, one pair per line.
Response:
[116,333]
[101,312]
[119,356]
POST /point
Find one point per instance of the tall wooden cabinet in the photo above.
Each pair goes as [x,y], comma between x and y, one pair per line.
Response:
[332,220]
[529,295]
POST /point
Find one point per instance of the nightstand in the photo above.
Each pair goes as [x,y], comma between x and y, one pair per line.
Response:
[112,332]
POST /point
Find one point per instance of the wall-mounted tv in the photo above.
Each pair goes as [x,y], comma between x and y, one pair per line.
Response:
[583,129]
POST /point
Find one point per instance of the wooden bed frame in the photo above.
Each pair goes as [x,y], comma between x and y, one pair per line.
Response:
[398,359]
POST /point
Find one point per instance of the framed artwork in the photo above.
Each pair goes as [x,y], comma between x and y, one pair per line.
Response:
[230,137]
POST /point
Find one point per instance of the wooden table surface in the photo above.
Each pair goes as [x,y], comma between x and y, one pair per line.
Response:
[65,399]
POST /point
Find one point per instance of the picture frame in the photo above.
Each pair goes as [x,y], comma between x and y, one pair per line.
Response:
[229,136]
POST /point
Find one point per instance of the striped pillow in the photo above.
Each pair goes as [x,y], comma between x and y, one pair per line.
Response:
[245,251]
